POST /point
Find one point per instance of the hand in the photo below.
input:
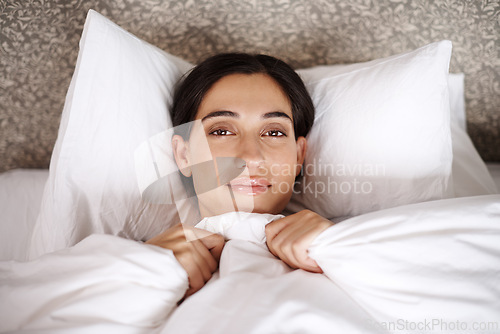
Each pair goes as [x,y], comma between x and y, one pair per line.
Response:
[198,251]
[289,238]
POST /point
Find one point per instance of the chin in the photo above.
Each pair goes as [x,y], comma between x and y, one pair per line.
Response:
[274,210]
[242,203]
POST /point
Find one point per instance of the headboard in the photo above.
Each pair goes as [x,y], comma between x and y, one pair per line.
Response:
[39,46]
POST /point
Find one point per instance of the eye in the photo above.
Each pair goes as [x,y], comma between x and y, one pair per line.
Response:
[221,132]
[274,133]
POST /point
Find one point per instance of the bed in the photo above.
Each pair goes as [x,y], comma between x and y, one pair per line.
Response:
[416,242]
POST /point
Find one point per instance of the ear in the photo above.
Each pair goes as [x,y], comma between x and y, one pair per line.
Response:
[181,155]
[301,153]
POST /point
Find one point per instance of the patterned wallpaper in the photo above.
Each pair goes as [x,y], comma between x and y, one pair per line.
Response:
[39,46]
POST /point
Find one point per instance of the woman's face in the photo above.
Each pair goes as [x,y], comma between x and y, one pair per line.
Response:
[246,116]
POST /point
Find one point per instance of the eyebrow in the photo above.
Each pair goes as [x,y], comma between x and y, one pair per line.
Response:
[227,113]
[220,113]
[276,114]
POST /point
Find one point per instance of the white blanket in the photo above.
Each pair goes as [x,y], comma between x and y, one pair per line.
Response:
[430,267]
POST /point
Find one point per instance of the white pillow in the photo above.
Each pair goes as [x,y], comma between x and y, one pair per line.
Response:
[381,136]
[115,107]
[457,100]
[470,174]
[118,99]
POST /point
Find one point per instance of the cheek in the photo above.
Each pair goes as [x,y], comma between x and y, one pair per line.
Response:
[224,149]
[199,151]
[282,164]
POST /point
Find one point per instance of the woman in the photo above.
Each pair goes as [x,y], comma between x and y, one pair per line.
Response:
[255,108]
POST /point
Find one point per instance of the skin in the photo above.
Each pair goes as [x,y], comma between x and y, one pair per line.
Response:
[246,116]
[249,117]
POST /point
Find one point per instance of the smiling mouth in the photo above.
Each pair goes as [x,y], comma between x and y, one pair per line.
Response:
[249,186]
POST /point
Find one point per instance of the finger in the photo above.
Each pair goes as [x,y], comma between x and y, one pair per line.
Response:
[312,266]
[301,237]
[216,251]
[274,228]
[271,247]
[287,243]
[214,243]
[208,246]
[199,265]
[203,259]
[195,277]
[190,291]
[211,241]
[199,254]
[292,243]
[301,251]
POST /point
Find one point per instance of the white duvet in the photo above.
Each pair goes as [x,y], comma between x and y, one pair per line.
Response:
[431,267]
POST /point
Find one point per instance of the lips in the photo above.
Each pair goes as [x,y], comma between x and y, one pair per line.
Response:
[249,186]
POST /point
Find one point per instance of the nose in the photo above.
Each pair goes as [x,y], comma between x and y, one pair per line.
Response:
[251,152]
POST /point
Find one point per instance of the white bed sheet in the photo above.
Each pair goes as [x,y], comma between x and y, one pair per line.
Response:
[416,265]
[21,193]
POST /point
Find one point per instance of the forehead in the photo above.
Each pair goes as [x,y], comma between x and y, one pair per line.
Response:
[245,93]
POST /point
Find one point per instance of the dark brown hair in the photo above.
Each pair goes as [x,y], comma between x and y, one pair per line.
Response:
[192,89]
